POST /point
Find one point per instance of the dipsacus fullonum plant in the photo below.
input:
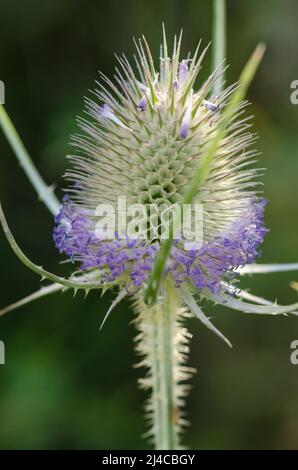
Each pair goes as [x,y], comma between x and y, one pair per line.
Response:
[143,137]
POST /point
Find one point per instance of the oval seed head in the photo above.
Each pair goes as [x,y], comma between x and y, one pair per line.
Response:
[143,139]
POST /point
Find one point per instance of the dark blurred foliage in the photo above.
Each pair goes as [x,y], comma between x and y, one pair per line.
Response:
[65,385]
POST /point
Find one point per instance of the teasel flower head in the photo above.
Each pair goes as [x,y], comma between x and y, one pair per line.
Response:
[142,139]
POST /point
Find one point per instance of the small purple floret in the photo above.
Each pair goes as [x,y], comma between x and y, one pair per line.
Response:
[211,106]
[184,130]
[183,71]
[143,103]
[105,110]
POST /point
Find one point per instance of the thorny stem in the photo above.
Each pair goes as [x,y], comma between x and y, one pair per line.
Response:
[162,343]
[219,42]
[45,193]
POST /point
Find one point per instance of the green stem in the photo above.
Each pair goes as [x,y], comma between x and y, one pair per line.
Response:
[164,319]
[45,193]
[219,41]
[162,343]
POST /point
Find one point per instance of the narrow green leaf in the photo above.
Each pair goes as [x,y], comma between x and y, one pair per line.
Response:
[219,41]
[45,193]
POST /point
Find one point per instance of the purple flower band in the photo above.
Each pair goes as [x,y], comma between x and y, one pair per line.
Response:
[205,267]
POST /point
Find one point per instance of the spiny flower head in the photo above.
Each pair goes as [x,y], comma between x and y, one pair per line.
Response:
[143,139]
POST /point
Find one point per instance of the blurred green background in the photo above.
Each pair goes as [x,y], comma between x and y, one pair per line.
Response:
[65,385]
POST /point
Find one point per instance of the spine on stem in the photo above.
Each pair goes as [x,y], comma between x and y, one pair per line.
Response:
[162,342]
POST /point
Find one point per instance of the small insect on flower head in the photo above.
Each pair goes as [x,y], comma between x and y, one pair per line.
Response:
[143,139]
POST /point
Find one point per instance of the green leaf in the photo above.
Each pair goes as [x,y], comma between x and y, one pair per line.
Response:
[45,192]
